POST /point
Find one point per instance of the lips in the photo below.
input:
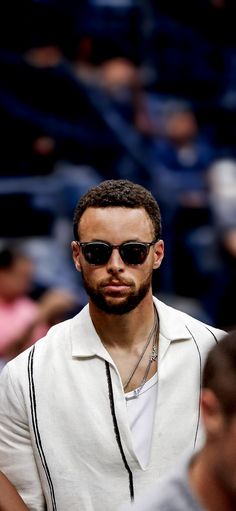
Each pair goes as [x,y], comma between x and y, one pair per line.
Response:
[115,286]
[115,283]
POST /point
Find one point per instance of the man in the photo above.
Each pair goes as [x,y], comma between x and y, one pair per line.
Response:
[207,480]
[88,418]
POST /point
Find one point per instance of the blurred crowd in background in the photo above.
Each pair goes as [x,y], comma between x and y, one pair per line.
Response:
[109,89]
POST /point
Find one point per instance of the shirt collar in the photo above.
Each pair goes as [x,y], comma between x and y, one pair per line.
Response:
[85,341]
[172,324]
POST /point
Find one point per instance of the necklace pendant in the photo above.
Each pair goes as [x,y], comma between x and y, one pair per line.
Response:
[154,354]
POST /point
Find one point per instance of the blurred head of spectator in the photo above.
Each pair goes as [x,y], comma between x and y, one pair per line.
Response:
[44,56]
[16,274]
[183,154]
[181,126]
[44,145]
[118,73]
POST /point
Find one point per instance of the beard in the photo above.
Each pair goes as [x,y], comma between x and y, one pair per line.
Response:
[129,302]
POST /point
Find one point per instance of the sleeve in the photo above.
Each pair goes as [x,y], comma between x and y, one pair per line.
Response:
[16,452]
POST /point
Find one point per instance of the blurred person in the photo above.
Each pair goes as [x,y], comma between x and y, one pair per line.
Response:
[181,157]
[206,480]
[222,199]
[9,498]
[22,319]
[44,56]
[182,152]
[125,83]
[116,87]
[91,407]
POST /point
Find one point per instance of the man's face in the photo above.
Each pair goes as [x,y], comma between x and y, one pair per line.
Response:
[117,287]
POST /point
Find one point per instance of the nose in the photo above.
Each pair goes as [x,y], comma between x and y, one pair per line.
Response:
[115,263]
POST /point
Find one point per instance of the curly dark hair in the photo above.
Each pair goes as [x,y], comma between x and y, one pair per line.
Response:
[119,193]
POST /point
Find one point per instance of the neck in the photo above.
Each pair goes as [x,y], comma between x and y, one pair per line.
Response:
[125,330]
[206,486]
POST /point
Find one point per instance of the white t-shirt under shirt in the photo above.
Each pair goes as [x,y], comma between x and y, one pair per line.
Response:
[141,412]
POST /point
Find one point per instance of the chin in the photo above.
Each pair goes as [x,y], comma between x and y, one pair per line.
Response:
[118,305]
[116,308]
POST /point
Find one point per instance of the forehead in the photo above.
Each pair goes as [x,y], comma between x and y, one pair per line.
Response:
[116,224]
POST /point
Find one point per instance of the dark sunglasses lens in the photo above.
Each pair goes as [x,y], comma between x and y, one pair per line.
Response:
[134,253]
[97,253]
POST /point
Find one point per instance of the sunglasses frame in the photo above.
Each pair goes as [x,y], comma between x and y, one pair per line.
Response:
[119,247]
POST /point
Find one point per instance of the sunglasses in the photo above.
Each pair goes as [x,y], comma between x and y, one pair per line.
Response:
[131,252]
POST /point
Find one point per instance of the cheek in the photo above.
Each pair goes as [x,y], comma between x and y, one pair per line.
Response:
[227,460]
[140,273]
[146,272]
[228,470]
[141,276]
[92,274]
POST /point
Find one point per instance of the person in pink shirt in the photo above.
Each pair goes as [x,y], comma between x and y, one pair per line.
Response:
[22,319]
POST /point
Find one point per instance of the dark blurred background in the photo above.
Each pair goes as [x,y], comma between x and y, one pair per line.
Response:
[144,90]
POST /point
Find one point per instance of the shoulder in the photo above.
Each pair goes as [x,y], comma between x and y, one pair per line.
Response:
[56,343]
[171,492]
[176,324]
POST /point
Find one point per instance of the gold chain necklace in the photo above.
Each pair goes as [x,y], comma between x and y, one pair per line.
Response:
[153,356]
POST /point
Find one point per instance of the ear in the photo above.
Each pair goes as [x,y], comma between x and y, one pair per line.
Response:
[212,415]
[158,254]
[75,254]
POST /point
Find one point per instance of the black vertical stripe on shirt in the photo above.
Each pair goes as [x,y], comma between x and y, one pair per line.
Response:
[117,433]
[32,396]
[200,386]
